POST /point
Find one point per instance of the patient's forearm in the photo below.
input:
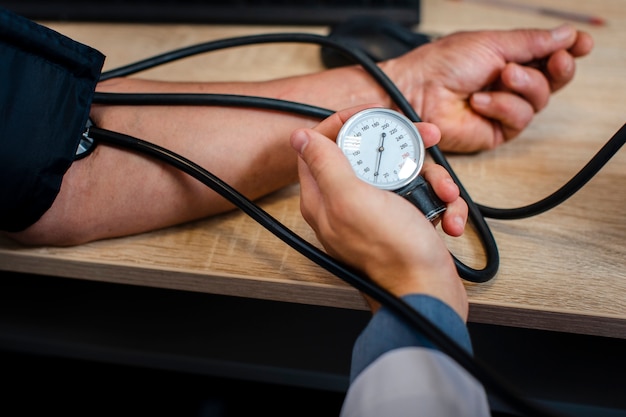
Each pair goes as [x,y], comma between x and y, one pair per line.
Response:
[114,192]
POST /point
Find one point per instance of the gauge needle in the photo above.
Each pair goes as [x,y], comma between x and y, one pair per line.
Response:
[381,148]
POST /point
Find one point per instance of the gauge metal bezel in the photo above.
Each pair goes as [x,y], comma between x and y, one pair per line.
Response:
[400,118]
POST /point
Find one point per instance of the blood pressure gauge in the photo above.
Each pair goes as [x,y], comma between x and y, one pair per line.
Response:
[386,150]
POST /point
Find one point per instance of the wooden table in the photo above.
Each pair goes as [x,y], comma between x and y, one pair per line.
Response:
[562,270]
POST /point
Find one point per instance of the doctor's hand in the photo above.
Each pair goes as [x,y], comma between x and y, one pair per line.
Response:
[378,232]
[483,88]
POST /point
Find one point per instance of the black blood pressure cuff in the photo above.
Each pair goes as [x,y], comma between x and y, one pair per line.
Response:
[47,82]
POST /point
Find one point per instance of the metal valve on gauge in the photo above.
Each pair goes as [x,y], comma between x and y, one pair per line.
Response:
[386,150]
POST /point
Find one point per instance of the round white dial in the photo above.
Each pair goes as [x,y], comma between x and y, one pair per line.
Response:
[383,146]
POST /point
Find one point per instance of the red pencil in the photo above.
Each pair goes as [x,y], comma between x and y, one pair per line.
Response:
[546,11]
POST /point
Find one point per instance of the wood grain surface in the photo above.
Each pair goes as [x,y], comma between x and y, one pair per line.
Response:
[562,270]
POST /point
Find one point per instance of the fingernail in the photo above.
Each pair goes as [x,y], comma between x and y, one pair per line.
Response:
[481,99]
[569,67]
[562,32]
[519,77]
[299,140]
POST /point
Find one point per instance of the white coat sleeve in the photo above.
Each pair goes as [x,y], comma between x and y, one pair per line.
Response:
[396,371]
